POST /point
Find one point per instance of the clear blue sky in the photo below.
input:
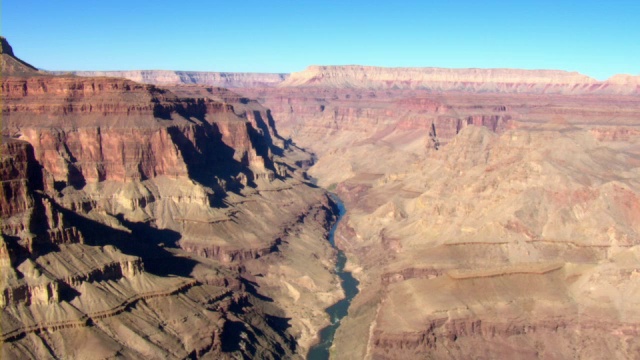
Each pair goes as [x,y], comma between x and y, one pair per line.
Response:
[597,38]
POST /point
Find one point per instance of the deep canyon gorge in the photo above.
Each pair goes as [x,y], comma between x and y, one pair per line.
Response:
[491,213]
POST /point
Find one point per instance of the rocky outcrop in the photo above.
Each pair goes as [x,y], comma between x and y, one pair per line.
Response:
[16,166]
[5,48]
[31,223]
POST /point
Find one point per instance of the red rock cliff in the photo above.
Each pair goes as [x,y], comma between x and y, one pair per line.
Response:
[95,129]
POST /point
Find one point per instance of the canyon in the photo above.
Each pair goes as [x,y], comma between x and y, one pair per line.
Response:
[491,213]
[139,223]
[481,223]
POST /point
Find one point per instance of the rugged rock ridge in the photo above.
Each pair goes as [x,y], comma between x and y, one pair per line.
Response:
[169,77]
[28,215]
[358,116]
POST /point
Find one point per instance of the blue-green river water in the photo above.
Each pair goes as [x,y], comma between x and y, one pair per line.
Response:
[339,309]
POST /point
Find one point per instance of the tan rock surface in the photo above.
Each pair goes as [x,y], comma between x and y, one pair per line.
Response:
[479,225]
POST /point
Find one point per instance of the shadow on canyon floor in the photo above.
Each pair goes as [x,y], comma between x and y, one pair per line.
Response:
[252,288]
[144,241]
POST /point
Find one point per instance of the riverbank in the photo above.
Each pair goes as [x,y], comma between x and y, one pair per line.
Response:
[339,310]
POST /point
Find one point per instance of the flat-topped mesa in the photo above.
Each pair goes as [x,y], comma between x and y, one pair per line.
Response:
[382,77]
[434,74]
[171,77]
[624,79]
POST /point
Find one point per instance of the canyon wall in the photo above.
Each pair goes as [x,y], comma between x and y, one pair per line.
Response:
[141,223]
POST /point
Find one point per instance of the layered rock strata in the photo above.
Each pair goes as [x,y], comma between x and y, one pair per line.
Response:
[459,80]
[506,81]
[143,224]
[497,243]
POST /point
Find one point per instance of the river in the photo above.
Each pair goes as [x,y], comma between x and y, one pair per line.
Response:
[340,309]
